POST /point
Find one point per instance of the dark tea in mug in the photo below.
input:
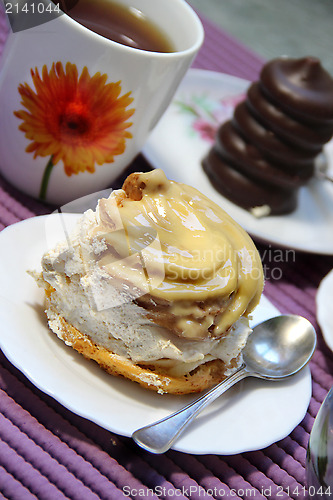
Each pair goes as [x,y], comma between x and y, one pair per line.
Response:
[121,23]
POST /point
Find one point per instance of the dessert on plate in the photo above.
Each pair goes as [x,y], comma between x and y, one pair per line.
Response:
[157,285]
[267,151]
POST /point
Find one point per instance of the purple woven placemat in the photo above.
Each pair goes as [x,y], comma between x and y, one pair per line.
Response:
[47,452]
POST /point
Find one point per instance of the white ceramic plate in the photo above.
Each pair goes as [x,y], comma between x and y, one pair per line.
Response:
[324,308]
[183,137]
[250,416]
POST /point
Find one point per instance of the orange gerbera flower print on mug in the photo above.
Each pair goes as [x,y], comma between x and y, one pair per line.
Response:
[81,120]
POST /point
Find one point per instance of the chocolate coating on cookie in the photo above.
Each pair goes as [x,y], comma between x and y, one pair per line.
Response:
[287,128]
[300,86]
[275,135]
[234,149]
[244,191]
[271,145]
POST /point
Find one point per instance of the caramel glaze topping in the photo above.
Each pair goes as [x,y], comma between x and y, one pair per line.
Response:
[274,136]
[194,253]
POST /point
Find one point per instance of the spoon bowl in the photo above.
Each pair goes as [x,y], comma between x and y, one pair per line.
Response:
[277,348]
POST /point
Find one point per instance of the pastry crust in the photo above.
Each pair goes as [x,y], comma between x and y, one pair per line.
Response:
[203,377]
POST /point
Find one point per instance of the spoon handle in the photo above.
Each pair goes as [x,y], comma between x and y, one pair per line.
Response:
[159,436]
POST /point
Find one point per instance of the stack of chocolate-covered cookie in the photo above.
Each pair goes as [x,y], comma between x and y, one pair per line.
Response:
[268,149]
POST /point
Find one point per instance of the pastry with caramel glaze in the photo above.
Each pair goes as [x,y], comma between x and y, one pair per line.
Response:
[156,285]
[267,151]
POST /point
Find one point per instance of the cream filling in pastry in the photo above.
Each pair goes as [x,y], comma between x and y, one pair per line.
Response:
[167,241]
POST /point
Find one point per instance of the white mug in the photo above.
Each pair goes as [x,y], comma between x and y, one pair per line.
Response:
[76,108]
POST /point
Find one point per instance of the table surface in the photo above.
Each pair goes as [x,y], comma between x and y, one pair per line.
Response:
[274,28]
[48,452]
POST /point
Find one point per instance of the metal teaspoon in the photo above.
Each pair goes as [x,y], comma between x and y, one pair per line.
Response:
[276,349]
